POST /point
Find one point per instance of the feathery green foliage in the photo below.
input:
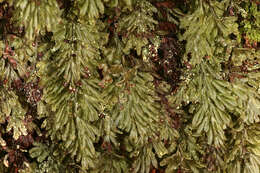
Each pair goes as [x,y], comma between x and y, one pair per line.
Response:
[129,86]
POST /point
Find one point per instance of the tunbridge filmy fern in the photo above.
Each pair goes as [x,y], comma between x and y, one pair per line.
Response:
[129,86]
